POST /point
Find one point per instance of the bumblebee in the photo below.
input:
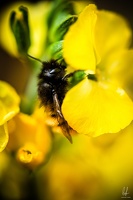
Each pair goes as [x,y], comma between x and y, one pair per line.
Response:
[52,87]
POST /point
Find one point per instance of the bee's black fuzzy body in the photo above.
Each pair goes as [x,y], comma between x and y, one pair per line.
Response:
[50,81]
[52,87]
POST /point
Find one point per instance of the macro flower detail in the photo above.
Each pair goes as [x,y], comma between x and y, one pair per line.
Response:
[9,107]
[95,107]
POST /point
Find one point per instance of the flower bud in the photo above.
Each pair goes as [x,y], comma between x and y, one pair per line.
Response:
[20,28]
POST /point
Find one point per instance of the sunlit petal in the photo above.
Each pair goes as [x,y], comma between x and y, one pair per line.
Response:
[96,108]
[9,101]
[79,45]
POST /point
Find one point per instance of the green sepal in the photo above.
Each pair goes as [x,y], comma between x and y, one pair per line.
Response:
[92,77]
[64,26]
[20,28]
[78,76]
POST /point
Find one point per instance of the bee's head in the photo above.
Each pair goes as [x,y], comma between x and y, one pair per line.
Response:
[52,69]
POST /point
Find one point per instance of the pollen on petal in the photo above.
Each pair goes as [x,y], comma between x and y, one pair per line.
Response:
[29,154]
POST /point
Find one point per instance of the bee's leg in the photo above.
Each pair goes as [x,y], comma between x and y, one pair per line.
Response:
[69,75]
[60,118]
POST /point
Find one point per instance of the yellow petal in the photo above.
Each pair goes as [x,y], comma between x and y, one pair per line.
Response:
[22,129]
[120,68]
[30,137]
[3,137]
[2,113]
[95,108]
[111,32]
[9,102]
[79,46]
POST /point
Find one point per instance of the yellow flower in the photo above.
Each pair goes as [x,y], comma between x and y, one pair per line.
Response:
[29,138]
[91,168]
[9,107]
[93,43]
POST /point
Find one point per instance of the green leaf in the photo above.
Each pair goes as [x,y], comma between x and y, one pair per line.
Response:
[20,28]
[55,49]
[56,35]
[60,17]
[58,7]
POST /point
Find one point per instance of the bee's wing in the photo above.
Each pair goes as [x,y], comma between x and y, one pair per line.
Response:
[60,118]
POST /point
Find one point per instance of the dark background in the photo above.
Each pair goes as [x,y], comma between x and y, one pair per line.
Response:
[124,7]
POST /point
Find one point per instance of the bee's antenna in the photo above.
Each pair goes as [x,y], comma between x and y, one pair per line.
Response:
[34,58]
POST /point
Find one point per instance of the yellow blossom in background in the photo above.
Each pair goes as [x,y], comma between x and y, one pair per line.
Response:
[116,55]
[29,138]
[95,107]
[92,168]
[121,70]
[9,107]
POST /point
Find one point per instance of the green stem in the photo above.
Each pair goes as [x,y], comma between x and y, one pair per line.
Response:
[30,96]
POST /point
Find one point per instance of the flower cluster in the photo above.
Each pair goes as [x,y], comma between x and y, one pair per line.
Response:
[30,141]
[93,43]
